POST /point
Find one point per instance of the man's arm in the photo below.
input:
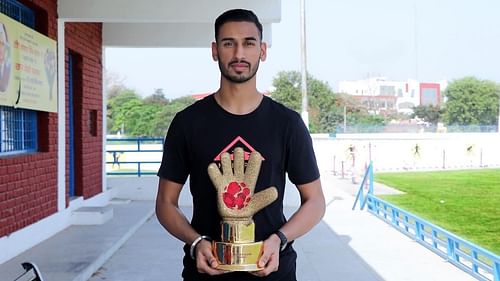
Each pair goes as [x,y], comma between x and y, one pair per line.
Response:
[173,220]
[312,209]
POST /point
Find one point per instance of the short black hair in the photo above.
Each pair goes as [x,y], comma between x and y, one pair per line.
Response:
[237,15]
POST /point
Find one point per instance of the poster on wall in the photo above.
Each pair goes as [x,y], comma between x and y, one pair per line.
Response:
[28,67]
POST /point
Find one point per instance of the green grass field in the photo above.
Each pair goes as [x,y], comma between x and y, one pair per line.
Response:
[465,202]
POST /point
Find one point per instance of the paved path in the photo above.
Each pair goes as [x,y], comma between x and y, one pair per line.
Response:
[346,245]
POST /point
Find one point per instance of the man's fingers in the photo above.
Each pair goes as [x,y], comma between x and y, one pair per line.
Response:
[205,260]
[269,263]
[270,259]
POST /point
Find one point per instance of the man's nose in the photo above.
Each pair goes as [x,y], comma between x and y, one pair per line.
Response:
[239,52]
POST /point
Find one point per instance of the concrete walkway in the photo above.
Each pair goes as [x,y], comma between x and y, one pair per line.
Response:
[347,245]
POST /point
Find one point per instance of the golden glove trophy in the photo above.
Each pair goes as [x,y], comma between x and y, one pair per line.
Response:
[237,203]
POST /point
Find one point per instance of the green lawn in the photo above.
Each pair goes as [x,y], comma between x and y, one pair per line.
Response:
[471,207]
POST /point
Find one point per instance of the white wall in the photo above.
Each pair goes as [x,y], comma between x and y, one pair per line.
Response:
[396,152]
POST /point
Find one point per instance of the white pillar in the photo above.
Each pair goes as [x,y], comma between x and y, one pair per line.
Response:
[104,120]
[61,118]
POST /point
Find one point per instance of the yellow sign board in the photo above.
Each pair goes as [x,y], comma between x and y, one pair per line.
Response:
[28,67]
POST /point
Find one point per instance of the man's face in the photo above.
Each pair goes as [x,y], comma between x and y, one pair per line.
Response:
[238,50]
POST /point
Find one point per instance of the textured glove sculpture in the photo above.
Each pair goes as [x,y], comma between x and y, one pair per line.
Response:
[237,203]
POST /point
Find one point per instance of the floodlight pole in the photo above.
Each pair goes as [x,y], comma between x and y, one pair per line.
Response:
[304,114]
[498,123]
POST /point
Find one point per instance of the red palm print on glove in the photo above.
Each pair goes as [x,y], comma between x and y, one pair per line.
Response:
[236,195]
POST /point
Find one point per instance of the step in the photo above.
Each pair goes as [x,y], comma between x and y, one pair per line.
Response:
[91,215]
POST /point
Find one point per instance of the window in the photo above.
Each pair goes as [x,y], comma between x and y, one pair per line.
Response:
[386,90]
[18,127]
[18,130]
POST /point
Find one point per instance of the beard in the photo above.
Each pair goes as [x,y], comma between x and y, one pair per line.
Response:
[238,78]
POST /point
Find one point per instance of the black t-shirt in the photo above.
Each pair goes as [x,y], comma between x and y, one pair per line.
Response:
[199,134]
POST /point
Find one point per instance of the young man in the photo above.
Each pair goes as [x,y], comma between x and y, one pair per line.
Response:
[237,115]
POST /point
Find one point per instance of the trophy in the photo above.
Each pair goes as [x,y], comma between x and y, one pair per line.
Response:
[237,203]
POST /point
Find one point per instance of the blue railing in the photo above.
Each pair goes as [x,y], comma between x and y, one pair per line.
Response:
[143,156]
[479,262]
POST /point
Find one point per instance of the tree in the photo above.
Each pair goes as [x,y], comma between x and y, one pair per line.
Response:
[115,107]
[326,108]
[129,114]
[321,99]
[157,97]
[429,113]
[287,89]
[164,117]
[114,84]
[471,101]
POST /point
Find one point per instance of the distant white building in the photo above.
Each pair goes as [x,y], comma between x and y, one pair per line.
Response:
[381,95]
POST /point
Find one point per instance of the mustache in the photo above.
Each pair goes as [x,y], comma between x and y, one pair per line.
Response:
[239,61]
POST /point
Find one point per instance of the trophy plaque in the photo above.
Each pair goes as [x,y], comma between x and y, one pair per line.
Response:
[237,203]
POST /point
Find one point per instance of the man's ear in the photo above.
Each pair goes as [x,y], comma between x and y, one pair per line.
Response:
[214,51]
[263,51]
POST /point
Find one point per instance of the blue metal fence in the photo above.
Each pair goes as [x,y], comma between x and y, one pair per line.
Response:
[479,262]
[136,149]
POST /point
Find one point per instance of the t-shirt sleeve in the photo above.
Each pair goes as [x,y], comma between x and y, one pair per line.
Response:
[174,164]
[301,163]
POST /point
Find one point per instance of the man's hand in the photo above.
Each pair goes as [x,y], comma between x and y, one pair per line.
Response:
[270,258]
[205,260]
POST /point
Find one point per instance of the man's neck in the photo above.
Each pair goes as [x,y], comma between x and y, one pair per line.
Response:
[238,99]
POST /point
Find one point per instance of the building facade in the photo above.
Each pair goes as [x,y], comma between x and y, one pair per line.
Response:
[29,187]
[52,159]
[379,94]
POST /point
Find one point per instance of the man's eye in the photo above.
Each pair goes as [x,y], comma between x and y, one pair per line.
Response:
[228,44]
[250,43]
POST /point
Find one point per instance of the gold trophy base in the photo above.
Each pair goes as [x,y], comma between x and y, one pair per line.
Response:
[238,256]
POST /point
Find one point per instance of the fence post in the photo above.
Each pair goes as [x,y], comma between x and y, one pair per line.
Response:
[361,198]
[417,230]
[366,182]
[496,271]
[342,171]
[474,262]
[451,249]
[394,219]
[371,177]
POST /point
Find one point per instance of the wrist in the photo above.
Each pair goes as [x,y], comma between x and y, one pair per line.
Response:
[195,243]
[283,240]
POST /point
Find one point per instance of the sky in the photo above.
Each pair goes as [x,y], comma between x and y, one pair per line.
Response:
[426,40]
